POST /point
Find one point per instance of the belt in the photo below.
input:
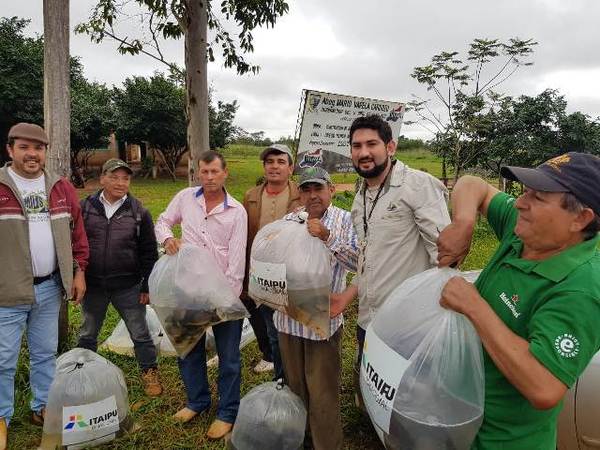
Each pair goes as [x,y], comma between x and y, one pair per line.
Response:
[39,280]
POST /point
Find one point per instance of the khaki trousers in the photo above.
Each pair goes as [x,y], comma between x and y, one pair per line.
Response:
[313,372]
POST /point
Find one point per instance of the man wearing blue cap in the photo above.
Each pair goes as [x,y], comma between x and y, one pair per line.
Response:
[536,305]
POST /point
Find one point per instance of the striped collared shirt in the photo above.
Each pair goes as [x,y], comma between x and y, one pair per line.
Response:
[222,231]
[342,244]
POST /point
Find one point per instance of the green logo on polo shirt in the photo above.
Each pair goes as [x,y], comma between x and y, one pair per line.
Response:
[566,345]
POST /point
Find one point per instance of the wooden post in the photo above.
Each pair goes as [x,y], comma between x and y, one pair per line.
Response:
[57,107]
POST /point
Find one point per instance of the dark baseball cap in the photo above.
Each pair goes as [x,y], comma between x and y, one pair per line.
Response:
[574,172]
[29,131]
[315,175]
[115,163]
[276,148]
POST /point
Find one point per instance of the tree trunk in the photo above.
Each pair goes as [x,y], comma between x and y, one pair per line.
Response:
[196,82]
[57,99]
[57,108]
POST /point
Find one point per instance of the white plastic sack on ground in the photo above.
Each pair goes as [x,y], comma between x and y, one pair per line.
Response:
[271,416]
[120,341]
[422,376]
[290,271]
[247,336]
[87,404]
[189,293]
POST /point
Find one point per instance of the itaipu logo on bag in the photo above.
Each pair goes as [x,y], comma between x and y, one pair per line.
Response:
[566,345]
[76,420]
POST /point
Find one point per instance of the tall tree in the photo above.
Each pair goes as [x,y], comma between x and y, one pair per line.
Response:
[465,91]
[21,97]
[57,100]
[92,121]
[57,107]
[191,19]
[153,110]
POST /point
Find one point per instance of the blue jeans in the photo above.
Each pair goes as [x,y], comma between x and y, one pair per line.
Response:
[41,321]
[273,334]
[195,379]
[127,303]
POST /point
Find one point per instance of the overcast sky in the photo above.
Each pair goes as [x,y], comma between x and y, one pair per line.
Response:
[369,49]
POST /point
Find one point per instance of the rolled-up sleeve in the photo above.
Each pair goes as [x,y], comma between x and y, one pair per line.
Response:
[342,242]
[430,210]
[168,218]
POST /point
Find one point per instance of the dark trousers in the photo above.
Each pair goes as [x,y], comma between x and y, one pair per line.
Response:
[260,330]
[127,303]
[272,333]
[195,379]
[360,339]
[313,372]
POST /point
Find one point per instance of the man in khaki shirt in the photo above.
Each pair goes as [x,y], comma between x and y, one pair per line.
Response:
[265,203]
[398,213]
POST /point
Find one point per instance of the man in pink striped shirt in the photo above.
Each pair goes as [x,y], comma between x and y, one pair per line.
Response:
[213,219]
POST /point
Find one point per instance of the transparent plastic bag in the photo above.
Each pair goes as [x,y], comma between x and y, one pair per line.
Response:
[422,376]
[120,341]
[271,416]
[190,293]
[290,271]
[87,403]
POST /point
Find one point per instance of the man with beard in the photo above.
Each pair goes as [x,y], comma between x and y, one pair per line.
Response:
[398,213]
[44,253]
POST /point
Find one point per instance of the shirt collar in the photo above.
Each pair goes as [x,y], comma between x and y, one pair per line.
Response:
[227,203]
[557,267]
[118,202]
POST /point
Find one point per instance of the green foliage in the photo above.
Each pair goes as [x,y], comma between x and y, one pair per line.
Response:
[21,97]
[220,123]
[466,94]
[153,110]
[405,143]
[167,19]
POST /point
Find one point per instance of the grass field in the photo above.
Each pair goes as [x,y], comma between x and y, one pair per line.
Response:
[158,430]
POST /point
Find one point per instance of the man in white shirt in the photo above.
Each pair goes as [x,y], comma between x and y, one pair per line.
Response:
[44,252]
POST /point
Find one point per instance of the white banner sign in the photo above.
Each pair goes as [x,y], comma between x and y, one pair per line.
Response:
[326,123]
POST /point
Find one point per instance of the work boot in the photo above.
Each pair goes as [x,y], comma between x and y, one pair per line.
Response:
[37,418]
[3,434]
[219,429]
[152,386]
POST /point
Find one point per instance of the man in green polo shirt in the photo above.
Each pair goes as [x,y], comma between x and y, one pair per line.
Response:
[536,305]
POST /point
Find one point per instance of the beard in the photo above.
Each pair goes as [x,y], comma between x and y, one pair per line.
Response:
[374,172]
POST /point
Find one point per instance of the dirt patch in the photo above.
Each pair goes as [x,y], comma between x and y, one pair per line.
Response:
[344,187]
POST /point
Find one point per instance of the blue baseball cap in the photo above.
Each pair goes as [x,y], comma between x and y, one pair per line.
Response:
[574,172]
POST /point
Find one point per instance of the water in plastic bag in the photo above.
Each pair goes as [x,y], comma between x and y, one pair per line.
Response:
[190,293]
[290,271]
[87,403]
[422,375]
[271,416]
